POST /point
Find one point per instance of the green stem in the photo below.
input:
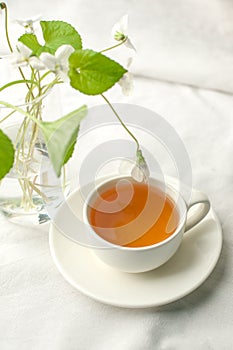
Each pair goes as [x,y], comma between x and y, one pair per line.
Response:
[23,76]
[6,117]
[15,82]
[6,104]
[121,121]
[3,6]
[6,27]
[114,46]
[35,128]
[18,140]
[36,189]
[46,74]
[64,178]
[50,85]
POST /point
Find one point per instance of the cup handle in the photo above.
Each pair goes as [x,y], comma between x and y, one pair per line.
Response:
[202,202]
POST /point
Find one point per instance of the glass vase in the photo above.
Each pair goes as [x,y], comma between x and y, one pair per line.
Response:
[31,191]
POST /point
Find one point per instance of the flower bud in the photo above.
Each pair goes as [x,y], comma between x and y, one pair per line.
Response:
[2,5]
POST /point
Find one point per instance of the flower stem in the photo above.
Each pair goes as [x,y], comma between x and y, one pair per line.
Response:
[121,121]
[3,6]
[20,111]
[15,82]
[46,88]
[114,46]
[7,116]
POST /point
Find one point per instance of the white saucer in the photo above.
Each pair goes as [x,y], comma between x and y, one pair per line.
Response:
[183,273]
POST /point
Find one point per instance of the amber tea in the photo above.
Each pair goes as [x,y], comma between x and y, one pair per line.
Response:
[132,214]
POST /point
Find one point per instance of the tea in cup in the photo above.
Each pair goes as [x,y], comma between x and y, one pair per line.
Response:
[140,225]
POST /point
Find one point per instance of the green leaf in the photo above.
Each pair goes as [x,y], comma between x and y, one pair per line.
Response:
[70,151]
[61,135]
[7,153]
[93,73]
[57,33]
[30,40]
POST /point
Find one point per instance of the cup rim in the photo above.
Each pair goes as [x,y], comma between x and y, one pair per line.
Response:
[182,218]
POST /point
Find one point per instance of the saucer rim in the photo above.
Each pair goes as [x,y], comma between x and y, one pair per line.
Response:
[104,300]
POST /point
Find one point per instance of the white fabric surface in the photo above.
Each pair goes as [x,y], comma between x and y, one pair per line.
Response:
[38,308]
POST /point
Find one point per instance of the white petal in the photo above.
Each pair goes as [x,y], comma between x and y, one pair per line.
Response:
[121,26]
[129,62]
[27,21]
[24,50]
[48,60]
[36,18]
[129,44]
[140,173]
[115,29]
[126,83]
[64,52]
[13,57]
[17,59]
[137,174]
[63,75]
[20,63]
[124,24]
[36,63]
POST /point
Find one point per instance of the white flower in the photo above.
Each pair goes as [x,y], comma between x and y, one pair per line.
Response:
[58,63]
[28,23]
[140,171]
[129,44]
[36,63]
[120,32]
[20,57]
[126,84]
[120,29]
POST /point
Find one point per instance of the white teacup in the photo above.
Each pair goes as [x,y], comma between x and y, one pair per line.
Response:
[147,258]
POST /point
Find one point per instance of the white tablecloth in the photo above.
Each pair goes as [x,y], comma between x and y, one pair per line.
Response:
[38,308]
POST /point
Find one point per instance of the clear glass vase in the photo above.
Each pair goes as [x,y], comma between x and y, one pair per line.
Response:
[31,190]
